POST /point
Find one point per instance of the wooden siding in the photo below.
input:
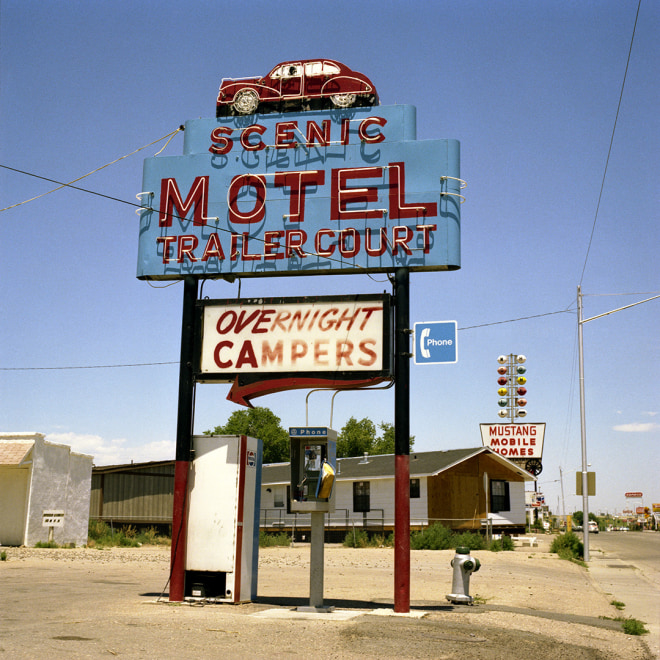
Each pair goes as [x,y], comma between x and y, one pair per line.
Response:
[457,497]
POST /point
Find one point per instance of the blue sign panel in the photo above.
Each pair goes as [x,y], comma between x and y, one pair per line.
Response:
[311,431]
[334,191]
[435,342]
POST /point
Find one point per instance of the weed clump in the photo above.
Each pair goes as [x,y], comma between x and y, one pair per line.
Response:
[358,538]
[568,546]
[101,535]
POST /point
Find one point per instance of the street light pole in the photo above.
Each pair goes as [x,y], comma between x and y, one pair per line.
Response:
[585,495]
[583,433]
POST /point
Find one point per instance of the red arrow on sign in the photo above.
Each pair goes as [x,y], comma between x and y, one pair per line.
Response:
[241,391]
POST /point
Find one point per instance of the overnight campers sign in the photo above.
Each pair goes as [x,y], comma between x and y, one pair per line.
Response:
[514,440]
[336,337]
[322,192]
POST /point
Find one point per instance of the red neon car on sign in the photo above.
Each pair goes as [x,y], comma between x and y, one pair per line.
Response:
[301,85]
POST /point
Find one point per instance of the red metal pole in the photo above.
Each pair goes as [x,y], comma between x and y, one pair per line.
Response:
[402,534]
[183,442]
[178,552]
[402,441]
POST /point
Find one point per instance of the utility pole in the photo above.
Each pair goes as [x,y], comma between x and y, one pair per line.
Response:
[585,492]
[583,433]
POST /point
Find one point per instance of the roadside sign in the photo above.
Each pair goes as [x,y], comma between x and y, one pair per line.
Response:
[435,342]
[514,441]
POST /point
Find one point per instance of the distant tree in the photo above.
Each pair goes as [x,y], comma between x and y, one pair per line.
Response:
[358,437]
[385,444]
[578,517]
[262,423]
[355,438]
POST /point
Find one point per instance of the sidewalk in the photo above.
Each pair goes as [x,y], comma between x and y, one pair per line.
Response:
[626,583]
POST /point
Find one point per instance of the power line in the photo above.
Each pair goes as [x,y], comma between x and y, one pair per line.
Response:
[94,366]
[61,185]
[609,151]
[521,318]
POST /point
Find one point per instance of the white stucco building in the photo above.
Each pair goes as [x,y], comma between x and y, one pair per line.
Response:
[44,491]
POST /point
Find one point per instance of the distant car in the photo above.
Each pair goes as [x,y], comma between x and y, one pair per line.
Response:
[593,527]
[300,85]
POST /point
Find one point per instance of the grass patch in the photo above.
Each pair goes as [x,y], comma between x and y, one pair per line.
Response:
[3,556]
[618,604]
[101,535]
[358,538]
[270,540]
[46,544]
[633,627]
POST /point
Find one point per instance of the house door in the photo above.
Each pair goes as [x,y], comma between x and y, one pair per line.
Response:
[13,503]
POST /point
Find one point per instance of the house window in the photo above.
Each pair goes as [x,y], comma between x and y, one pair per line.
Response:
[361,498]
[414,488]
[278,496]
[499,496]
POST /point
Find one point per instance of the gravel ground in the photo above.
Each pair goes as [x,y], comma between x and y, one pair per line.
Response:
[86,603]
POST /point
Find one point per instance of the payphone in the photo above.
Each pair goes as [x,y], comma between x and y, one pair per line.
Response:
[313,467]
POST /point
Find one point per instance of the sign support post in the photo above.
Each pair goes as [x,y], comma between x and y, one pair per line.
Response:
[183,441]
[402,441]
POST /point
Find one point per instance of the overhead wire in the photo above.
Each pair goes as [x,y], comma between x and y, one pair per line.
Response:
[61,185]
[609,151]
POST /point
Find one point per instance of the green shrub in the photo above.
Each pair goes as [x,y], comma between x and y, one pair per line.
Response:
[357,538]
[151,536]
[46,544]
[99,533]
[126,541]
[471,540]
[270,540]
[434,537]
[568,546]
[3,556]
[504,543]
[380,541]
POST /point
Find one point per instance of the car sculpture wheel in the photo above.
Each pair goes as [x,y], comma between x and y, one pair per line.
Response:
[246,102]
[343,100]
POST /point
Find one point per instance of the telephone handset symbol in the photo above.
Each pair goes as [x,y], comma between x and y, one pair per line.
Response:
[425,351]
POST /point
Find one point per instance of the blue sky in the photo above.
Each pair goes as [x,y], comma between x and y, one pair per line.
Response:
[530,90]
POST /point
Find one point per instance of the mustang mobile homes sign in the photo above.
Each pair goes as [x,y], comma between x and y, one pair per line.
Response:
[341,190]
[514,441]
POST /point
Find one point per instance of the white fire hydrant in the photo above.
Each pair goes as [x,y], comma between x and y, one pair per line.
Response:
[463,565]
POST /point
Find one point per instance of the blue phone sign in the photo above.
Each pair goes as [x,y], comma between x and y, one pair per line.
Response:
[435,342]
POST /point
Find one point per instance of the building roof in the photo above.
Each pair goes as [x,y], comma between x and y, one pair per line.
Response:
[422,464]
[132,467]
[14,452]
[358,468]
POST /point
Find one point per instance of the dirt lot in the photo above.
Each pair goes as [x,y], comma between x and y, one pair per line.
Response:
[87,603]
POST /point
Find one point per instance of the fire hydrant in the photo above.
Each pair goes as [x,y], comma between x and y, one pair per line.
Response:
[463,566]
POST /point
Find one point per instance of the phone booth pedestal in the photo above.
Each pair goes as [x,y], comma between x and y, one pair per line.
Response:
[313,467]
[224,498]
